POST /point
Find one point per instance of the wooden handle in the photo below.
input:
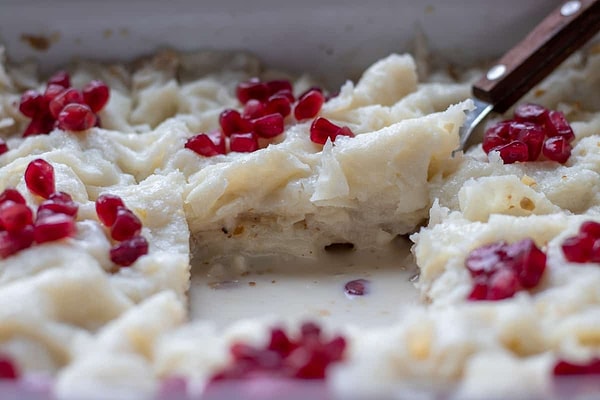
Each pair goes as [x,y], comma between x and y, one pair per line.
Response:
[550,43]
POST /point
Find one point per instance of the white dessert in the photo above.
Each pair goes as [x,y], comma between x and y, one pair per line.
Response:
[98,331]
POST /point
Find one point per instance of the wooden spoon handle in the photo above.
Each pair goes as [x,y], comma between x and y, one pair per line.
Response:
[561,33]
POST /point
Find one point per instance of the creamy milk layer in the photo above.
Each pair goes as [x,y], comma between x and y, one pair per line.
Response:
[257,225]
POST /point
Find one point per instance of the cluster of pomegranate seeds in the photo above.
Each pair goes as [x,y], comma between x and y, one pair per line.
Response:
[55,218]
[306,357]
[500,269]
[63,106]
[585,246]
[566,368]
[533,131]
[8,369]
[266,105]
[357,287]
[125,228]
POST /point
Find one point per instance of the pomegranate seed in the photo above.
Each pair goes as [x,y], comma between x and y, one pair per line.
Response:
[357,287]
[243,142]
[323,129]
[499,269]
[308,365]
[40,125]
[253,109]
[11,194]
[39,178]
[96,95]
[76,117]
[310,89]
[3,147]
[513,152]
[279,103]
[496,135]
[578,248]
[15,216]
[61,78]
[49,227]
[268,126]
[591,228]
[528,112]
[566,368]
[335,348]
[232,122]
[68,96]
[107,206]
[310,330]
[285,93]
[8,369]
[252,89]
[128,251]
[309,105]
[126,225]
[502,285]
[13,242]
[532,135]
[207,145]
[275,86]
[557,125]
[32,103]
[557,149]
[50,94]
[60,202]
[280,343]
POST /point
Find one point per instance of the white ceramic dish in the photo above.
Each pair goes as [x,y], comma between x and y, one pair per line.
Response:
[333,40]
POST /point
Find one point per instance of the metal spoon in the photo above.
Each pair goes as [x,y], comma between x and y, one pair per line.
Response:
[561,33]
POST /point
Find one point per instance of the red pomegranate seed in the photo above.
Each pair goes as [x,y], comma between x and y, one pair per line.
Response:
[279,103]
[557,125]
[280,342]
[252,89]
[310,89]
[50,94]
[61,78]
[128,251]
[76,117]
[231,121]
[32,103]
[578,249]
[496,135]
[557,149]
[3,147]
[39,125]
[39,178]
[207,145]
[307,364]
[13,242]
[68,96]
[8,369]
[243,142]
[49,227]
[126,225]
[11,194]
[502,285]
[528,112]
[322,129]
[285,93]
[499,269]
[60,202]
[357,287]
[107,206]
[253,109]
[513,152]
[567,368]
[15,216]
[96,95]
[268,126]
[532,135]
[310,331]
[309,105]
[591,228]
[275,86]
